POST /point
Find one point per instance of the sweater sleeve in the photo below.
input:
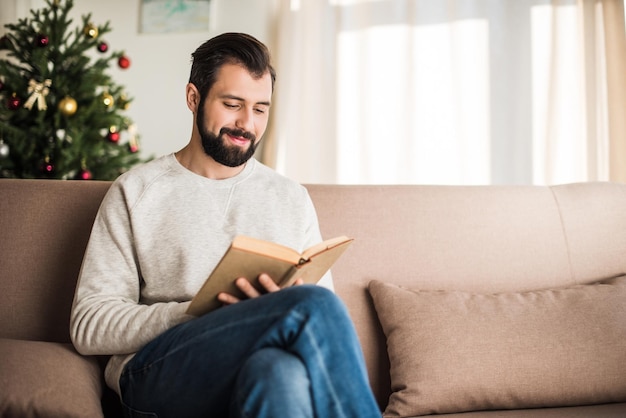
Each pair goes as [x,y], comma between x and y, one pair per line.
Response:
[107,317]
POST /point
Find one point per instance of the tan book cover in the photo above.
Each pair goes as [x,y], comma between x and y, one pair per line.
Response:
[249,257]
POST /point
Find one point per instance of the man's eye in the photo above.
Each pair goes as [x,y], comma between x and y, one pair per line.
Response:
[230,105]
[260,111]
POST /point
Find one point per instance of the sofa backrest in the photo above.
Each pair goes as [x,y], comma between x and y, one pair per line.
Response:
[473,238]
[44,228]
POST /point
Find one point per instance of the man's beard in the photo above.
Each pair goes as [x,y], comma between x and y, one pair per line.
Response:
[217,147]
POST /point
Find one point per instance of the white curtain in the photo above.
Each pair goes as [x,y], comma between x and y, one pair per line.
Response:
[449,92]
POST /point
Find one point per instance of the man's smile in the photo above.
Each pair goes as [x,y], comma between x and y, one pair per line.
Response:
[238,140]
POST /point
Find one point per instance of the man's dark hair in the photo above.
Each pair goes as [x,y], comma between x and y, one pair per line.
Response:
[228,48]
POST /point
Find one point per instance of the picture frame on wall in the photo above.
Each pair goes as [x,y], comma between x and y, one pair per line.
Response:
[169,16]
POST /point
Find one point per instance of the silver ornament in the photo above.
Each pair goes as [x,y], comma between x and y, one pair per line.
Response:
[4,149]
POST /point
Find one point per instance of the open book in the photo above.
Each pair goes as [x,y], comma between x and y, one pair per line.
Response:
[249,257]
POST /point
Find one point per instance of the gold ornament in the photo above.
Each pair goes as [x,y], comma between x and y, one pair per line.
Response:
[91,31]
[68,106]
[108,100]
[123,102]
[38,93]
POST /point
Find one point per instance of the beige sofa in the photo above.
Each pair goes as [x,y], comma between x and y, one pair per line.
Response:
[510,297]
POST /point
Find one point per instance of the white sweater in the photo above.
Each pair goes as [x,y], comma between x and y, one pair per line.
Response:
[160,231]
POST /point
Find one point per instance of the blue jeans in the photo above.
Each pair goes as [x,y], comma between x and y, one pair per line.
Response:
[292,353]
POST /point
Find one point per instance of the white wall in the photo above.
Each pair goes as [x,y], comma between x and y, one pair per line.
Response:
[160,63]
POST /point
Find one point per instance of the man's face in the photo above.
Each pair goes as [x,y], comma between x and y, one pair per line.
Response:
[233,117]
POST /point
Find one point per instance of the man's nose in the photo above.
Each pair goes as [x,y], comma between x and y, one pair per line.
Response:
[245,120]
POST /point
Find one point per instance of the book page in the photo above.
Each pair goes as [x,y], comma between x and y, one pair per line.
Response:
[325,245]
[319,263]
[267,248]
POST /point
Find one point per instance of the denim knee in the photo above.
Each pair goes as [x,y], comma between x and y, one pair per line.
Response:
[318,302]
[276,365]
[315,298]
[272,382]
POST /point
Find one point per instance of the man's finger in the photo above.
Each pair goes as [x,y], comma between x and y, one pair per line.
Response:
[227,298]
[268,284]
[247,289]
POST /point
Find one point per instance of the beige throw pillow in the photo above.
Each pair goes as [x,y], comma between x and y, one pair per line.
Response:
[453,351]
[44,379]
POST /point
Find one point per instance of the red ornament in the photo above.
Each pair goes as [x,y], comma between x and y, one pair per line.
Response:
[42,40]
[14,102]
[103,47]
[133,148]
[84,174]
[113,136]
[47,167]
[123,62]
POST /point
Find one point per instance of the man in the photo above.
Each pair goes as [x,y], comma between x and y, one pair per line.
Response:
[160,231]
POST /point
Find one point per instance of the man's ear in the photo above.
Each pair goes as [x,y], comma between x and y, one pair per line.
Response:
[193,97]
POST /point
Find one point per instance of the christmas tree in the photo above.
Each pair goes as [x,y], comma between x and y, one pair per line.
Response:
[61,115]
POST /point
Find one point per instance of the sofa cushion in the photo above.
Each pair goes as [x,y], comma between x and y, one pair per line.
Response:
[42,379]
[452,351]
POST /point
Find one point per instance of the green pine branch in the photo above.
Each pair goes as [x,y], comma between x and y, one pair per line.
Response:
[46,47]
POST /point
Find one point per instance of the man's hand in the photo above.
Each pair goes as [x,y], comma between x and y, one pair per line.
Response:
[247,289]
